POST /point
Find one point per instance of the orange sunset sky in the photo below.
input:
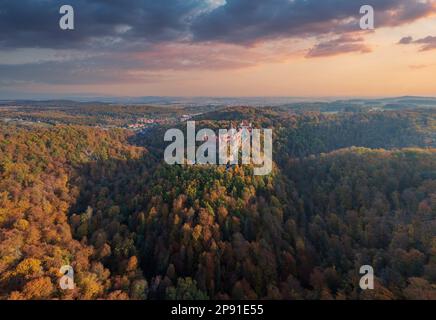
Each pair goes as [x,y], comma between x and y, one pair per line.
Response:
[255,55]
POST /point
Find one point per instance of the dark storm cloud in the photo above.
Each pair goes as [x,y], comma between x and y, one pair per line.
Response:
[131,40]
[242,21]
[110,23]
[30,23]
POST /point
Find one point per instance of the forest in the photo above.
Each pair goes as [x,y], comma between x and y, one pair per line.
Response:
[347,189]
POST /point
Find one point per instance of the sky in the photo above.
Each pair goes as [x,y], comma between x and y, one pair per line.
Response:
[241,48]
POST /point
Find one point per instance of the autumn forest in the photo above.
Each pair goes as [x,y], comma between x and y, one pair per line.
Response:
[348,188]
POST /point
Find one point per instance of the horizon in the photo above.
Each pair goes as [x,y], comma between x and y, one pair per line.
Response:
[294,99]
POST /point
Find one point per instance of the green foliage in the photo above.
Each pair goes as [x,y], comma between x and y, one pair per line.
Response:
[186,290]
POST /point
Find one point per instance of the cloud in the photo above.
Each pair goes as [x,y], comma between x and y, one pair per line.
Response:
[426,44]
[104,68]
[241,21]
[341,45]
[405,40]
[137,66]
[135,40]
[30,23]
[202,56]
[418,66]
[72,72]
[115,23]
